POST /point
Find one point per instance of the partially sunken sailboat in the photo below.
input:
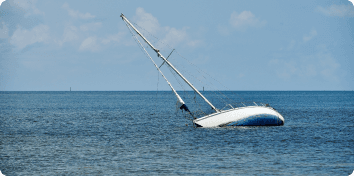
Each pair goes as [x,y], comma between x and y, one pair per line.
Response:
[255,115]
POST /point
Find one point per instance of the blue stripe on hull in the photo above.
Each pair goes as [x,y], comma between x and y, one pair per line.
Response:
[258,120]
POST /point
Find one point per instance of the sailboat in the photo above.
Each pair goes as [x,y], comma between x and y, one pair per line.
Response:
[255,115]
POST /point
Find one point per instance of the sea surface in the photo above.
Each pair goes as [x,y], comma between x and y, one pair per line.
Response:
[142,133]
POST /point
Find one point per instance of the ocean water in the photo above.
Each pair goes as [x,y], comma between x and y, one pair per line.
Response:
[141,133]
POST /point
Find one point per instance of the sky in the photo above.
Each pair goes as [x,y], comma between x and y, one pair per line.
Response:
[236,45]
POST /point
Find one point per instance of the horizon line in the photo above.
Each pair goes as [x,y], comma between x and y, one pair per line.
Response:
[149,90]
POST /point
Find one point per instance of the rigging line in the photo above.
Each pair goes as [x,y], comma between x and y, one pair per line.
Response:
[165,45]
[200,106]
[217,92]
[178,97]
[166,58]
[219,97]
[174,74]
[189,73]
[189,97]
[141,28]
[157,89]
[209,83]
[184,79]
[179,82]
[146,54]
[135,39]
[158,40]
[181,85]
[198,69]
[185,59]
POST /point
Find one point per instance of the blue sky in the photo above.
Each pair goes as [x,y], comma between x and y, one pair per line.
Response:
[241,45]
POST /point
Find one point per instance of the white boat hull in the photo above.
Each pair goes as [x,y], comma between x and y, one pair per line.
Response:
[243,116]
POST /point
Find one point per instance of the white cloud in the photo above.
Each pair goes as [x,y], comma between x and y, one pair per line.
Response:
[319,65]
[1,1]
[89,44]
[116,38]
[329,66]
[223,30]
[244,20]
[308,37]
[284,69]
[22,37]
[4,31]
[147,21]
[194,43]
[70,34]
[28,6]
[171,36]
[90,26]
[77,14]
[337,10]
[174,36]
[352,1]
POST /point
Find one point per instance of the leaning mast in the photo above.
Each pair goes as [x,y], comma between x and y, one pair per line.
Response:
[168,63]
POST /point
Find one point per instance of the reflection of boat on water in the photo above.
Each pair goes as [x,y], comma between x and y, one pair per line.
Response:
[255,115]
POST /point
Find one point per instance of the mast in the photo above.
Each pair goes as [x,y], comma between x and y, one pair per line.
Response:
[168,63]
[158,68]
